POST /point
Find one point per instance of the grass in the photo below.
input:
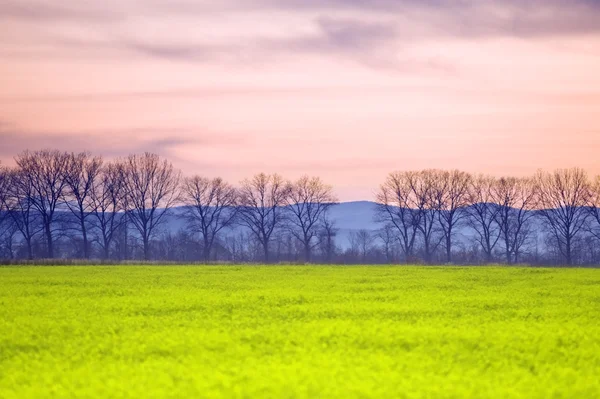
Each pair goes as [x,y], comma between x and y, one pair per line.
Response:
[299,332]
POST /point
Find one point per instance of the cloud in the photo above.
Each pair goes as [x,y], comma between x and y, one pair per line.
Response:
[457,17]
[371,32]
[190,52]
[335,34]
[423,19]
[40,12]
[111,143]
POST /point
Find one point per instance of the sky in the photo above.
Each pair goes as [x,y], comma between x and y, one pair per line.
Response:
[348,90]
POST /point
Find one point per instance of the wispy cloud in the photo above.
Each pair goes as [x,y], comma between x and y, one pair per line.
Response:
[112,143]
[44,11]
[372,32]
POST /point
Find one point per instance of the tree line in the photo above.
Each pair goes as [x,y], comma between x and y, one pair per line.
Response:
[76,205]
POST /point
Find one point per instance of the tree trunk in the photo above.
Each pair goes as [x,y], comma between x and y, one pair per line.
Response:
[206,251]
[29,249]
[49,241]
[266,250]
[146,248]
[449,248]
[306,251]
[568,250]
[427,254]
[488,255]
[86,251]
[507,249]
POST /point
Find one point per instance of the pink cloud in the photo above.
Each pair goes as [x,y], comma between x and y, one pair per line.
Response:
[331,88]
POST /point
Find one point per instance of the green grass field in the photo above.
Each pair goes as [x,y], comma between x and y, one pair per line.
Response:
[299,332]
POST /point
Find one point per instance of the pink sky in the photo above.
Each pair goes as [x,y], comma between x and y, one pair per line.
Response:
[347,90]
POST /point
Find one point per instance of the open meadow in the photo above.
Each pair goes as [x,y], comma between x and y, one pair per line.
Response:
[299,332]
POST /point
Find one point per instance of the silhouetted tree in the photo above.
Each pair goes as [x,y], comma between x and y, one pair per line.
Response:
[308,200]
[4,187]
[451,197]
[19,207]
[396,200]
[210,207]
[594,207]
[80,177]
[327,236]
[423,186]
[150,189]
[388,239]
[261,209]
[516,199]
[563,198]
[482,214]
[361,243]
[106,206]
[45,171]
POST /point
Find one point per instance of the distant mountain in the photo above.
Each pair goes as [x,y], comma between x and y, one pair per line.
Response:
[348,217]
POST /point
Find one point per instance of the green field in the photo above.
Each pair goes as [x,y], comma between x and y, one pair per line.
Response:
[299,332]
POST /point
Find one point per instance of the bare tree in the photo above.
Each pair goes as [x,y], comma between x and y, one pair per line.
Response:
[451,197]
[7,227]
[395,202]
[19,207]
[388,239]
[261,201]
[7,243]
[361,243]
[211,207]
[105,199]
[150,189]
[327,238]
[594,207]
[482,214]
[80,177]
[4,187]
[45,171]
[423,186]
[563,199]
[516,199]
[308,200]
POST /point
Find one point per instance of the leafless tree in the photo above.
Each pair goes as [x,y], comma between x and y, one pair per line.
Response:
[482,214]
[594,207]
[396,201]
[106,206]
[388,239]
[262,201]
[327,238]
[308,200]
[210,207]
[4,187]
[563,199]
[361,243]
[150,189]
[45,171]
[7,243]
[82,171]
[515,199]
[19,207]
[7,227]
[451,197]
[423,186]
